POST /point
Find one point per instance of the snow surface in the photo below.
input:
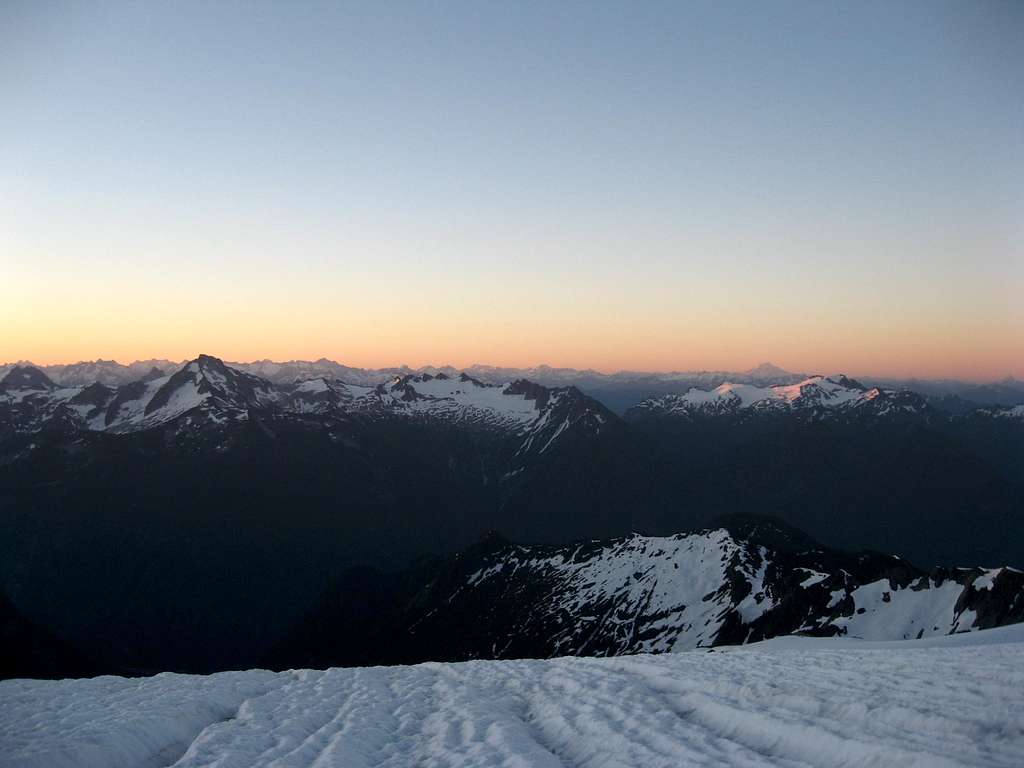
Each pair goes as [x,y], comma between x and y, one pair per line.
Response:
[59,395]
[182,399]
[907,612]
[666,579]
[129,412]
[448,398]
[313,386]
[987,580]
[813,577]
[954,701]
[467,400]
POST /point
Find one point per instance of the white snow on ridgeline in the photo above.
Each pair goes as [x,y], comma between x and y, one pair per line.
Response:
[56,396]
[645,594]
[987,579]
[112,373]
[537,415]
[182,399]
[325,396]
[199,385]
[142,404]
[943,703]
[461,398]
[817,391]
[884,613]
[129,411]
[669,592]
[759,600]
[1014,412]
[313,386]
[219,394]
[302,370]
[1012,633]
[813,577]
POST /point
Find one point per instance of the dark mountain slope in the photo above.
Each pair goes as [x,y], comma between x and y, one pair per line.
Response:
[31,651]
[749,579]
[924,487]
[186,522]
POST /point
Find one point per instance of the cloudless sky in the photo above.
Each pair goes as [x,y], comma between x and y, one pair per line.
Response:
[829,186]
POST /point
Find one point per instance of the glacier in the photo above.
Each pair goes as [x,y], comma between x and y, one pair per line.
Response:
[792,701]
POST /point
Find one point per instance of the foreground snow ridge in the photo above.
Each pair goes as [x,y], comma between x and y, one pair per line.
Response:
[950,701]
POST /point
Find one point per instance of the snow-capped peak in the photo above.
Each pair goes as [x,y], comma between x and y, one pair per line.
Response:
[767,371]
[838,392]
[206,379]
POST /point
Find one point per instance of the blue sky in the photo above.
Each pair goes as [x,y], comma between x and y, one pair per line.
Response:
[651,185]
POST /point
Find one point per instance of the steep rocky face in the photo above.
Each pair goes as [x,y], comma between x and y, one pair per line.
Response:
[748,580]
[29,400]
[208,379]
[26,378]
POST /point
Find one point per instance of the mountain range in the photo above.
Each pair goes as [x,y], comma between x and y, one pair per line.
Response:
[208,393]
[618,391]
[192,518]
[113,373]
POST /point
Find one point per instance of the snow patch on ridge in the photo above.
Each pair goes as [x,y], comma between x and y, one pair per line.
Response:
[837,392]
[884,613]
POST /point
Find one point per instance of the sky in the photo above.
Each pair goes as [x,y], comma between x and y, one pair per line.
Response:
[643,186]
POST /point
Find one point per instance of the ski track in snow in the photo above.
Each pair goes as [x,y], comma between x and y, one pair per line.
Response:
[791,702]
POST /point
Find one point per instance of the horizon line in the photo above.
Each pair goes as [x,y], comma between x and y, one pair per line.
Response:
[607,373]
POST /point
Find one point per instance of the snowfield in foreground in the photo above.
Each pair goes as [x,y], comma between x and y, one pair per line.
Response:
[786,702]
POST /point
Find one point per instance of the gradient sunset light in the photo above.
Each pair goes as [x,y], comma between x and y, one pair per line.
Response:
[653,186]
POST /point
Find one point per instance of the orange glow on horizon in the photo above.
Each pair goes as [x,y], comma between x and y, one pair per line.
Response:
[598,318]
[971,365]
